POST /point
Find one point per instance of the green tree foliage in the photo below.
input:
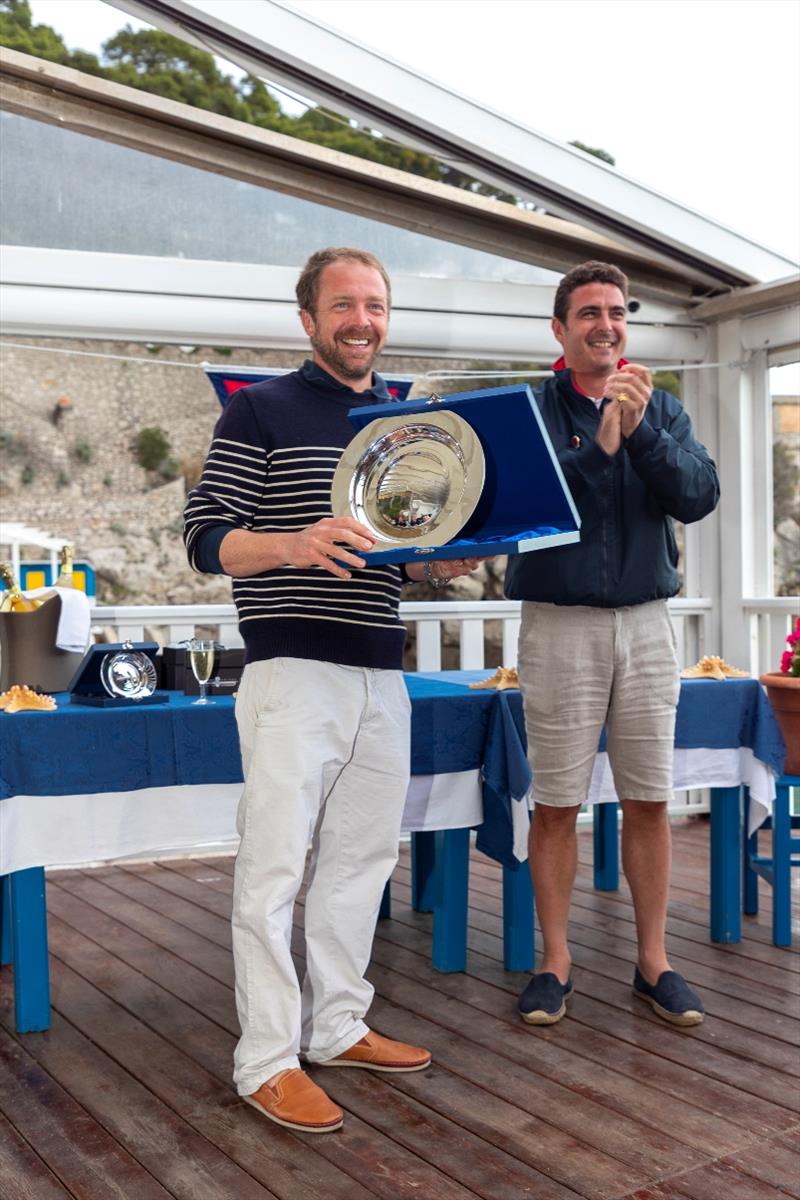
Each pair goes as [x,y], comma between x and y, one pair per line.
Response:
[603,155]
[18,32]
[158,62]
[668,381]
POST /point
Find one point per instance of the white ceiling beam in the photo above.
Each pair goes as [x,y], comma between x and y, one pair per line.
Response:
[284,46]
[69,293]
[761,297]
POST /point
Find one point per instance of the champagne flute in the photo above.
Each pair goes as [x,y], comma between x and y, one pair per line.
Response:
[201,660]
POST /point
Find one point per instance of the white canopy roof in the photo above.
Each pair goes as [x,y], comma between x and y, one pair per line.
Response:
[284,46]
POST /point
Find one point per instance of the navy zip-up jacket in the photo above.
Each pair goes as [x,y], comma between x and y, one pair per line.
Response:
[627,553]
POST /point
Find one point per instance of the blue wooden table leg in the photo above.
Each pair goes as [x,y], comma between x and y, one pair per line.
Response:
[781,874]
[519,951]
[6,952]
[749,876]
[385,910]
[450,904]
[605,825]
[726,854]
[29,948]
[423,861]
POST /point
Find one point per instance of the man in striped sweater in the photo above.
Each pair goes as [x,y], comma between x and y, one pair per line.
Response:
[322,711]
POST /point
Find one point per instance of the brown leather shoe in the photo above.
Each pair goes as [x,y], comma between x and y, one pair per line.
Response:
[376,1053]
[290,1098]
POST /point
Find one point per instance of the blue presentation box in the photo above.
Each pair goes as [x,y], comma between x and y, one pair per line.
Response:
[525,504]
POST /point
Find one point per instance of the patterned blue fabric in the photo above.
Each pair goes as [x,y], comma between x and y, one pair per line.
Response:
[80,749]
[711,715]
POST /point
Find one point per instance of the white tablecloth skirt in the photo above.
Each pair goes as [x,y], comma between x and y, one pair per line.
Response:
[100,826]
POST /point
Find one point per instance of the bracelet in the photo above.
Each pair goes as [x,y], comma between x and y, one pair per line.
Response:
[433,580]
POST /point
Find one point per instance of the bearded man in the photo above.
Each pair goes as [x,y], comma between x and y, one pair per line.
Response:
[322,710]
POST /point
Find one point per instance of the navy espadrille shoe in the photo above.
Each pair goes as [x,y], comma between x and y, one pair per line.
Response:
[670,997]
[544,1000]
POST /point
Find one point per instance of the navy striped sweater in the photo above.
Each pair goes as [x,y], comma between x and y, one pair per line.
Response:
[272,458]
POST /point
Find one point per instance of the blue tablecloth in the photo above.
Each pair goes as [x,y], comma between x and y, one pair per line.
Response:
[712,715]
[84,749]
[81,749]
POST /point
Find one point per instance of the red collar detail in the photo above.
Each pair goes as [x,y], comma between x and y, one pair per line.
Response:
[560,365]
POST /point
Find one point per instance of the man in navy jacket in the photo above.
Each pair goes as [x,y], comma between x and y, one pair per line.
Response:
[596,644]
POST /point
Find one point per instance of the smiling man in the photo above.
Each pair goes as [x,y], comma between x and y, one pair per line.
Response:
[596,642]
[322,710]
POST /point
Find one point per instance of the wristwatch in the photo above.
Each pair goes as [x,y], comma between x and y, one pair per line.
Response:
[433,580]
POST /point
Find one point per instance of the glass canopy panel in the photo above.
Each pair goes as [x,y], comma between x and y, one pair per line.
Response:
[66,191]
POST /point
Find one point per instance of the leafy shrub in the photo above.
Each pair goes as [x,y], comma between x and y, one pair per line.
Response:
[151,447]
[82,452]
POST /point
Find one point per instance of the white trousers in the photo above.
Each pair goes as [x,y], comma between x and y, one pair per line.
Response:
[326,754]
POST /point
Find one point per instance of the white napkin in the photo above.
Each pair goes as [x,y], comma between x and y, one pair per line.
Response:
[75,621]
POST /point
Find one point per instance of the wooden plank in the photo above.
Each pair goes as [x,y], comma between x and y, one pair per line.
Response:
[627,1026]
[555,1153]
[176,975]
[721,1179]
[773,1162]
[454,1149]
[185,1032]
[187,1164]
[779,986]
[602,911]
[723,1105]
[608,978]
[631,1066]
[610,1102]
[24,1175]
[732,1072]
[86,1159]
[639,1144]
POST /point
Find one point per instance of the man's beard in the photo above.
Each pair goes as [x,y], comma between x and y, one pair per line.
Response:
[335,357]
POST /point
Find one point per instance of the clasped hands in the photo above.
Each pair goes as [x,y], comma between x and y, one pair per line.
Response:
[333,544]
[629,391]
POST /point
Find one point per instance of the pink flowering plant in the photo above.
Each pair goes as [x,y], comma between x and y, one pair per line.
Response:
[790,659]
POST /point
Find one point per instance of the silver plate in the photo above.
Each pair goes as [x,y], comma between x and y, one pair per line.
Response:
[128,674]
[413,481]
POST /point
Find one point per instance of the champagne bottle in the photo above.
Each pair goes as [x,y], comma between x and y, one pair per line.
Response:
[66,557]
[13,599]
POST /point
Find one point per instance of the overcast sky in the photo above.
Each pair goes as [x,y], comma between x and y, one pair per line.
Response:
[700,99]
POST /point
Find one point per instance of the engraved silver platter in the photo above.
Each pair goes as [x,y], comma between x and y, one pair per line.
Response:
[413,481]
[128,674]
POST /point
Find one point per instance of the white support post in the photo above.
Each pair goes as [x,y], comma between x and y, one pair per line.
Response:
[702,571]
[472,645]
[746,470]
[510,642]
[130,631]
[429,645]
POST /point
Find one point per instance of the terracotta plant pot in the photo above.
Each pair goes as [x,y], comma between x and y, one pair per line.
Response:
[783,692]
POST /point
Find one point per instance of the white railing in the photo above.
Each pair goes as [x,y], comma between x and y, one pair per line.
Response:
[435,623]
[769,621]
[462,626]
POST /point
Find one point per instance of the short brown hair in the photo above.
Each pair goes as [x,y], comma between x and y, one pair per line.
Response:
[588,272]
[307,289]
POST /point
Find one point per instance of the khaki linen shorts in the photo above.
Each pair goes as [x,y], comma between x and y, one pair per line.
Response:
[581,668]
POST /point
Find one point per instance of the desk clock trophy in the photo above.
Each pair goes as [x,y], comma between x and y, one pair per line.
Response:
[112,675]
[472,474]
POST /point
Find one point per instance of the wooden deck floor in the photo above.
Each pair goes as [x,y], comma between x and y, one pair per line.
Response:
[129,1095]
